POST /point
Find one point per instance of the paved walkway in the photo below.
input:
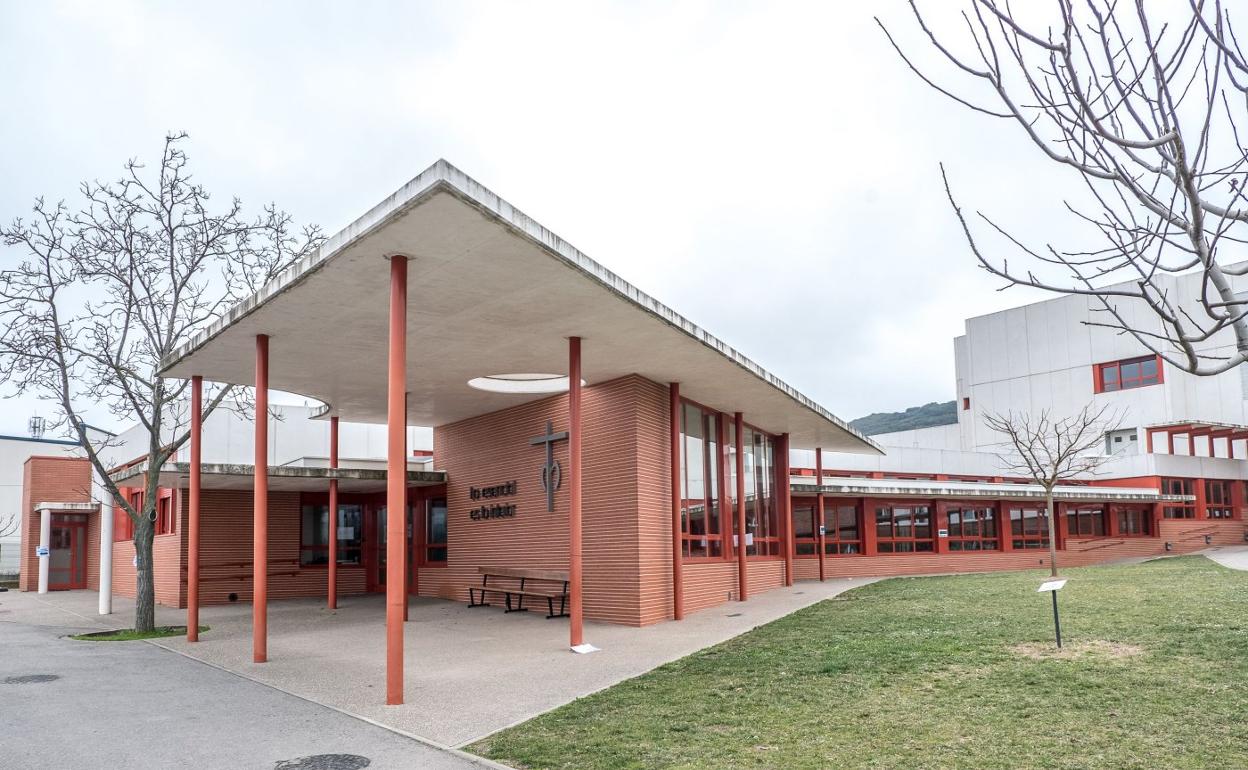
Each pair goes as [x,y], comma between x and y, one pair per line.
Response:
[469,672]
[137,706]
[1233,556]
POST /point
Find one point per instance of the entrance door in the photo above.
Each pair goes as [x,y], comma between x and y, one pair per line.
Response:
[67,556]
[375,539]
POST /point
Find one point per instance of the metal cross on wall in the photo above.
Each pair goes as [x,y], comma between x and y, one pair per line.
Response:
[552,474]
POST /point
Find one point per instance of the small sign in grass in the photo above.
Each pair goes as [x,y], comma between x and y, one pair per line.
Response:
[130,635]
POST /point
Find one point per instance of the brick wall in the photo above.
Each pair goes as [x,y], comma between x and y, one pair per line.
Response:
[494,449]
[51,480]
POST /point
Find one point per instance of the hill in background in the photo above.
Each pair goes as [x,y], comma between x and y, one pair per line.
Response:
[926,416]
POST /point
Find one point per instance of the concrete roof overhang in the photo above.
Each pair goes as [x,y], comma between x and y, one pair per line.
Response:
[967,490]
[282,478]
[490,291]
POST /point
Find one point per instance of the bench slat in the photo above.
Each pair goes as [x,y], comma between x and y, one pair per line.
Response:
[528,574]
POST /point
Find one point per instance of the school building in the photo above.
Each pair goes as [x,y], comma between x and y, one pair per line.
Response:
[594,453]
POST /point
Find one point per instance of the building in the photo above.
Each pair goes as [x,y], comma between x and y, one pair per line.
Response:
[579,428]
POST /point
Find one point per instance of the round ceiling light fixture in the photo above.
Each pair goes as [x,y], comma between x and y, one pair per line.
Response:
[524,382]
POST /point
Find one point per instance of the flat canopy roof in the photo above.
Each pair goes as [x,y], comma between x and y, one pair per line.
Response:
[282,478]
[490,291]
[970,490]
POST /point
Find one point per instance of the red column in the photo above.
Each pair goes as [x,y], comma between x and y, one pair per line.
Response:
[742,580]
[1198,486]
[333,516]
[574,492]
[260,510]
[678,586]
[192,513]
[1148,441]
[940,520]
[819,509]
[396,480]
[1170,441]
[786,507]
[1004,528]
[869,546]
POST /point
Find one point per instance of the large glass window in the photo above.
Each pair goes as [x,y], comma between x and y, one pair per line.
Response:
[1029,528]
[762,523]
[904,529]
[973,528]
[842,535]
[315,533]
[699,477]
[1218,499]
[805,530]
[1086,521]
[1132,521]
[1179,487]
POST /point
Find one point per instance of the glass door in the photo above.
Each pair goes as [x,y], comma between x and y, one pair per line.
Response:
[67,557]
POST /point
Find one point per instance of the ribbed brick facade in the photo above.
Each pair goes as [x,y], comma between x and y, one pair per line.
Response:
[52,480]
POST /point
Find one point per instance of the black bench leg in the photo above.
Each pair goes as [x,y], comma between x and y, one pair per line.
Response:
[472,602]
[519,604]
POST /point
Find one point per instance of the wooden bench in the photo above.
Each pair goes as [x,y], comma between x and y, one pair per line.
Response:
[516,585]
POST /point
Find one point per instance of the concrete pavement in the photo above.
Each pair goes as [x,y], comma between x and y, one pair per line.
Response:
[137,706]
[1233,556]
[469,671]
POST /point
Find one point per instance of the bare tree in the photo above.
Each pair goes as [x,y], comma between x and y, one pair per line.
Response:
[1051,450]
[1143,107]
[106,290]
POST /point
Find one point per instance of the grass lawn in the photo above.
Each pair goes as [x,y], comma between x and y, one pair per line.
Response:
[941,672]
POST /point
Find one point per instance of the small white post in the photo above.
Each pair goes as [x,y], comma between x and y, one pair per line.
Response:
[106,560]
[45,544]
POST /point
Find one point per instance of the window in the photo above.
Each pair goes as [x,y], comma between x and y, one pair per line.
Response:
[762,521]
[1185,510]
[123,525]
[165,522]
[805,532]
[1087,521]
[904,529]
[1132,521]
[1029,528]
[435,532]
[841,525]
[1127,374]
[1218,500]
[966,403]
[314,534]
[700,513]
[973,529]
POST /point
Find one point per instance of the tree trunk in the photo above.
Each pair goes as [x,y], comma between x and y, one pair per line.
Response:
[145,584]
[1048,498]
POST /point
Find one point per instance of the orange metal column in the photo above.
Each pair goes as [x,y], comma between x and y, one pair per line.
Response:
[574,492]
[332,593]
[819,510]
[192,513]
[678,586]
[260,510]
[742,579]
[786,507]
[396,480]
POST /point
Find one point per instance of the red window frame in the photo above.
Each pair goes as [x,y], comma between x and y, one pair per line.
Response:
[166,513]
[123,525]
[981,532]
[966,403]
[1218,502]
[891,533]
[805,530]
[1170,486]
[834,542]
[430,552]
[1023,534]
[707,545]
[1108,377]
[1086,521]
[320,500]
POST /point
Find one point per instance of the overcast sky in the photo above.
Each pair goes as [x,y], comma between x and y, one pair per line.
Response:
[767,169]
